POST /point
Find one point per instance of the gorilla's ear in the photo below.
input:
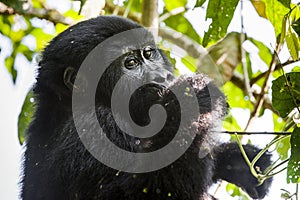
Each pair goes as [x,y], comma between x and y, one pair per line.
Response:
[70,74]
[69,77]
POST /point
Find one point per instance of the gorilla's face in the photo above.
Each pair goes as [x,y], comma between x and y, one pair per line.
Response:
[146,65]
[138,67]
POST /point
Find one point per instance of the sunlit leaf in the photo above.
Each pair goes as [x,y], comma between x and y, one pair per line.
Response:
[235,96]
[278,123]
[25,51]
[42,38]
[134,5]
[231,124]
[260,8]
[296,27]
[9,63]
[295,14]
[37,3]
[17,36]
[293,169]
[264,52]
[170,5]
[293,44]
[190,63]
[60,28]
[199,3]
[286,3]
[296,69]
[283,147]
[233,190]
[73,14]
[283,29]
[182,25]
[25,116]
[221,13]
[284,97]
[274,12]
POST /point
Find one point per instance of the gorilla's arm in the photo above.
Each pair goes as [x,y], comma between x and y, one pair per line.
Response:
[231,166]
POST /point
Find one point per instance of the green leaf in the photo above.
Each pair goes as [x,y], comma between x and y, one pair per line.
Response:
[296,69]
[260,8]
[25,116]
[296,27]
[293,169]
[9,63]
[233,190]
[222,58]
[235,96]
[170,5]
[73,14]
[286,3]
[264,52]
[278,122]
[295,14]
[199,3]
[136,5]
[293,44]
[182,25]
[16,4]
[25,51]
[282,94]
[37,3]
[221,13]
[41,37]
[231,124]
[190,63]
[274,12]
[283,29]
[283,147]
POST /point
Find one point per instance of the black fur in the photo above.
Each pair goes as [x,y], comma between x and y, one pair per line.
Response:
[57,165]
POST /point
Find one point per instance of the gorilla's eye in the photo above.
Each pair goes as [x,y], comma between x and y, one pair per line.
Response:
[147,52]
[131,63]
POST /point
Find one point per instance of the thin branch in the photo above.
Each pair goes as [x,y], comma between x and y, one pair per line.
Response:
[238,81]
[42,13]
[243,37]
[278,66]
[173,12]
[280,164]
[190,46]
[265,88]
[254,133]
[111,8]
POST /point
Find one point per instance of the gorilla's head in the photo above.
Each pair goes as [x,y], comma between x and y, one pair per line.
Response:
[120,47]
[108,57]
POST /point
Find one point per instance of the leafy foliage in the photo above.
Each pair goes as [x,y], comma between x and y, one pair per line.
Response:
[225,59]
[286,93]
[294,163]
[221,13]
[25,116]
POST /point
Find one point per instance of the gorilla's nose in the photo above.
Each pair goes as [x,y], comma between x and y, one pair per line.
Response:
[160,77]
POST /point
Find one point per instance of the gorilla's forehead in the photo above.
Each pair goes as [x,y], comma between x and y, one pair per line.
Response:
[130,40]
[125,42]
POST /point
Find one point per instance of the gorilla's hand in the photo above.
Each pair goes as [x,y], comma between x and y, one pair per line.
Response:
[231,166]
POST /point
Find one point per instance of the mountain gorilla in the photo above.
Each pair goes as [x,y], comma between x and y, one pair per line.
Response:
[57,163]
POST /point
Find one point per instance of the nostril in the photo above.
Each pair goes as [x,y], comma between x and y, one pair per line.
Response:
[170,77]
[159,79]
